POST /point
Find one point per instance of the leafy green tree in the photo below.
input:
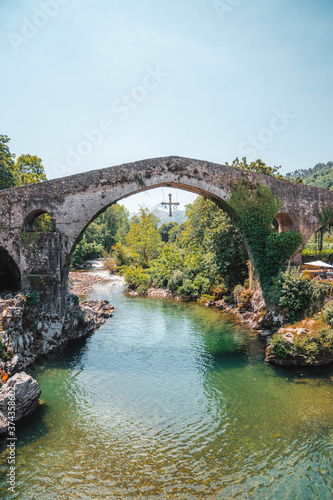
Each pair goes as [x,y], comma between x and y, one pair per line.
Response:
[143,237]
[321,175]
[44,223]
[210,231]
[28,169]
[230,257]
[115,225]
[7,179]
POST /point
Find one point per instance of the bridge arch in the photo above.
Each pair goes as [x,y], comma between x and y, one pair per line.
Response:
[286,222]
[131,190]
[36,218]
[10,275]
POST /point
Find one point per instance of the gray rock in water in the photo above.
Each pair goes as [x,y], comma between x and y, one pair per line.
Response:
[30,331]
[27,392]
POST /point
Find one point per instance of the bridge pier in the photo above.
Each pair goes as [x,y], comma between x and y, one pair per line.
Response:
[40,262]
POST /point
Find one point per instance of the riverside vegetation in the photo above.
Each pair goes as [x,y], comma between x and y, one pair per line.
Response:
[206,258]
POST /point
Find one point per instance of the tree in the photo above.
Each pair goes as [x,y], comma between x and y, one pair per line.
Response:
[28,169]
[210,231]
[165,229]
[257,166]
[144,238]
[7,179]
[114,225]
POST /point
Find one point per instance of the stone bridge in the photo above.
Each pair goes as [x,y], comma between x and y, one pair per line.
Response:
[73,202]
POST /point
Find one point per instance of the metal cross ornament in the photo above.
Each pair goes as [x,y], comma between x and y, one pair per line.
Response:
[170,204]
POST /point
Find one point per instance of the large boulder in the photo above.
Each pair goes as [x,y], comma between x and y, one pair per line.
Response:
[28,331]
[20,395]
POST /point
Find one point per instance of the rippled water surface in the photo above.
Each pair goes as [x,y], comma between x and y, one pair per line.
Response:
[171,400]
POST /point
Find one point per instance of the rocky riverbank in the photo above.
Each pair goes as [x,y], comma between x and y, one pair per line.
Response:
[27,332]
[81,283]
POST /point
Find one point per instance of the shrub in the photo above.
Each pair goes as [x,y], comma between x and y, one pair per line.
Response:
[237,293]
[279,346]
[136,278]
[306,275]
[176,280]
[242,295]
[307,345]
[202,284]
[110,264]
[218,291]
[188,290]
[328,313]
[299,295]
[121,254]
[206,298]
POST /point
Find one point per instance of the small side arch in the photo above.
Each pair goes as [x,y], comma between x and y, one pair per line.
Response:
[39,220]
[10,276]
[285,221]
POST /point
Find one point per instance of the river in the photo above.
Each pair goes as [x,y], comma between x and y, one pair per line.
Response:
[173,400]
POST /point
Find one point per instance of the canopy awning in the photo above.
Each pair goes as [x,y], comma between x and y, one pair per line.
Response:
[317,263]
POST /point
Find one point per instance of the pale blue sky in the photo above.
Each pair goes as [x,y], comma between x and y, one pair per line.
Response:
[228,75]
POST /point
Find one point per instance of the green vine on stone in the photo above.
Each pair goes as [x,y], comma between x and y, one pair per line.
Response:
[253,209]
[29,238]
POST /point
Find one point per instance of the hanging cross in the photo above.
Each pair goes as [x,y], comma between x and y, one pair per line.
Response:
[170,204]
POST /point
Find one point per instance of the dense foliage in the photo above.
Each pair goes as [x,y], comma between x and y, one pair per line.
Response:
[253,209]
[299,295]
[204,255]
[302,297]
[310,255]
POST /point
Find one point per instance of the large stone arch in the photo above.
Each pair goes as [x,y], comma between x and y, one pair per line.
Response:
[100,203]
[75,200]
[98,206]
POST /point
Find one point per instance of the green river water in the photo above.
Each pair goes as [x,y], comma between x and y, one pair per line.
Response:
[173,400]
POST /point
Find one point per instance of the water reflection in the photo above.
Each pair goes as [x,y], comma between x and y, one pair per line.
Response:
[171,401]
